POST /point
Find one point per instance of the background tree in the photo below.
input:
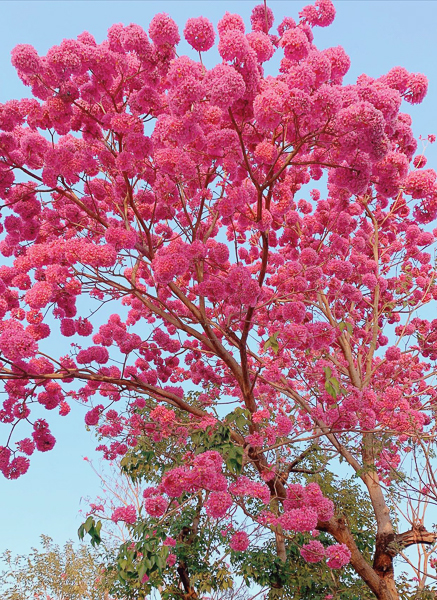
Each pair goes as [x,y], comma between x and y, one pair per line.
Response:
[67,573]
[261,240]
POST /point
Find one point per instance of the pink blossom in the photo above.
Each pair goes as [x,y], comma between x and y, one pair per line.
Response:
[295,496]
[171,559]
[299,519]
[322,13]
[295,44]
[419,161]
[25,59]
[245,487]
[230,22]
[239,541]
[262,45]
[163,30]
[260,415]
[18,466]
[284,425]
[15,342]
[313,552]
[92,416]
[169,541]
[233,45]
[338,556]
[175,482]
[40,294]
[393,353]
[156,506]
[266,152]
[26,446]
[261,18]
[217,504]
[199,33]
[44,440]
[127,514]
[417,88]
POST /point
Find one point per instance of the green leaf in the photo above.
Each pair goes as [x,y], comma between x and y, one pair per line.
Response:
[348,326]
[142,571]
[330,389]
[234,459]
[81,532]
[328,372]
[88,524]
[335,384]
[272,343]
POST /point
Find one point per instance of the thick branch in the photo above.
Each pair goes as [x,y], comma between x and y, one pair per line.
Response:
[416,535]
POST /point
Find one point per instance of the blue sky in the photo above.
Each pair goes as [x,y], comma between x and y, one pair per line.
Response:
[376,34]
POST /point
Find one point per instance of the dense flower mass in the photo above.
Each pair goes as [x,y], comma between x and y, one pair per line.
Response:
[338,556]
[239,541]
[199,33]
[313,552]
[227,269]
[156,506]
[127,514]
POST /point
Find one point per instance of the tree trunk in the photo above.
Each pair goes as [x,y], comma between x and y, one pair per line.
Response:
[383,564]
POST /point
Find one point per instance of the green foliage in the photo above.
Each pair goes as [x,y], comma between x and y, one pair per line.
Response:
[296,578]
[272,343]
[93,529]
[145,557]
[149,460]
[219,439]
[332,385]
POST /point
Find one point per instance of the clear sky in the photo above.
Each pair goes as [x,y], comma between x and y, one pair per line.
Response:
[377,35]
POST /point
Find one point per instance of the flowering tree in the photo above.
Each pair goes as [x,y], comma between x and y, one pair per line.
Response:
[187,198]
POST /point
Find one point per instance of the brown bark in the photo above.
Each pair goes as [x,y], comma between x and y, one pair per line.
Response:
[417,535]
[383,562]
[190,592]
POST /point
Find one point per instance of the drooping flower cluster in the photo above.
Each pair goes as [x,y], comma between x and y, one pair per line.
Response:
[239,541]
[338,556]
[127,514]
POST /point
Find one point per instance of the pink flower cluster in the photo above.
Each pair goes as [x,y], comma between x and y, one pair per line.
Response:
[43,439]
[205,472]
[239,541]
[309,498]
[313,552]
[199,33]
[12,469]
[338,556]
[127,514]
[245,487]
[156,506]
[218,504]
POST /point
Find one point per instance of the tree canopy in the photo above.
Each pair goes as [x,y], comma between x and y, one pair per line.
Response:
[230,269]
